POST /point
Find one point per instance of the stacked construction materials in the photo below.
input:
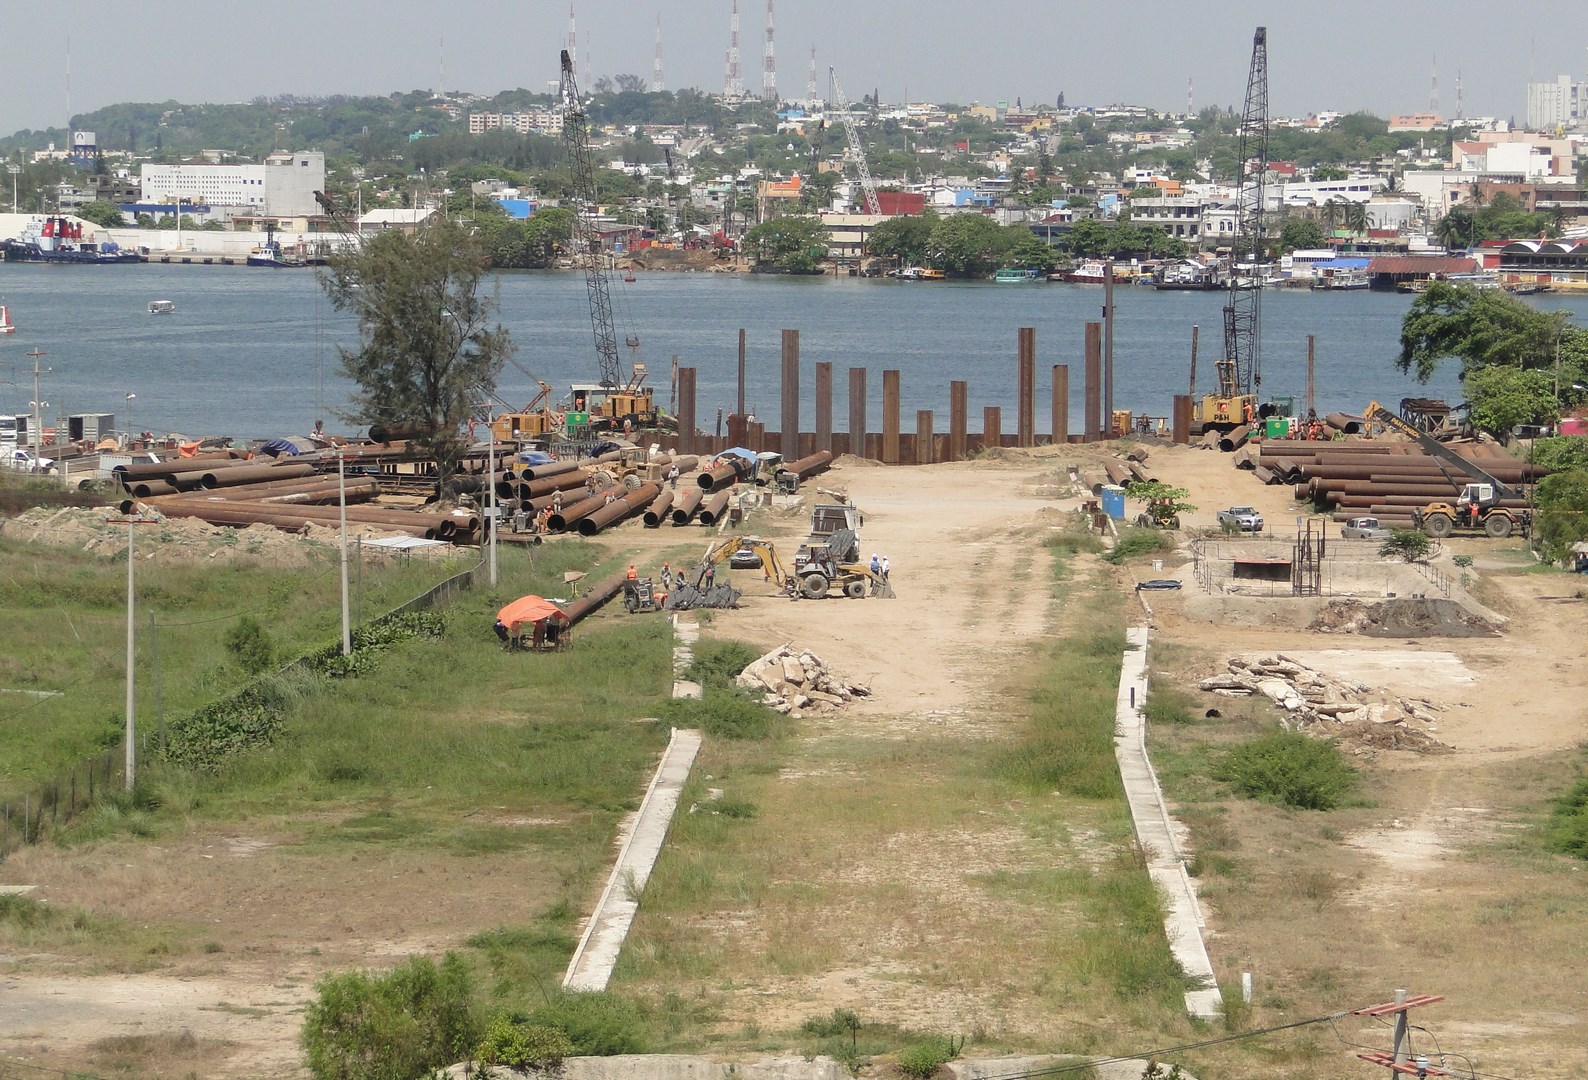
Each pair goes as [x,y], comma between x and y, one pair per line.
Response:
[1381,478]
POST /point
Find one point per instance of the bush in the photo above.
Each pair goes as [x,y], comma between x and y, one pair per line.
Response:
[1290,769]
[1567,831]
[597,1024]
[1074,539]
[1408,544]
[1135,542]
[922,1060]
[718,663]
[513,1040]
[251,645]
[726,714]
[406,1023]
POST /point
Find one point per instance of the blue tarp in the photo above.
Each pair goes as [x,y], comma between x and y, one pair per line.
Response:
[739,451]
[277,447]
[534,457]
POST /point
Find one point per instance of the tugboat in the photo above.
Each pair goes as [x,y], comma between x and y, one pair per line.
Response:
[56,239]
[269,253]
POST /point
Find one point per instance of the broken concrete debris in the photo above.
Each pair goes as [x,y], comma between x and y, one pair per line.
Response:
[795,681]
[1310,697]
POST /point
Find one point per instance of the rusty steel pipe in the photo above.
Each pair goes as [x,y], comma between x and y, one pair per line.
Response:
[368,515]
[254,474]
[724,474]
[145,489]
[571,513]
[245,514]
[1235,439]
[1118,473]
[806,466]
[685,462]
[615,512]
[656,513]
[593,599]
[685,505]
[1345,422]
[712,510]
[542,472]
[566,481]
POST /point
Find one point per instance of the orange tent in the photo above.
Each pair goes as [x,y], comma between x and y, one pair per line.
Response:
[530,609]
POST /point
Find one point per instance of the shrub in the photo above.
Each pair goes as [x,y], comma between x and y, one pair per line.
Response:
[512,1040]
[922,1060]
[597,1024]
[406,1023]
[1408,544]
[251,645]
[1567,831]
[1290,769]
[1135,542]
[717,663]
[1074,539]
[725,714]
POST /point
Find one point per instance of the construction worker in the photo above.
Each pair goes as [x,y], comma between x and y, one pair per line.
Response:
[876,565]
[884,568]
[672,476]
[556,502]
[632,575]
[501,631]
[667,576]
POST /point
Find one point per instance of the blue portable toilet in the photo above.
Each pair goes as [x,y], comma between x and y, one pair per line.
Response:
[1114,501]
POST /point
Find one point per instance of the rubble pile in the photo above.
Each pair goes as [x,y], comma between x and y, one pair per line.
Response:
[795,681]
[1312,698]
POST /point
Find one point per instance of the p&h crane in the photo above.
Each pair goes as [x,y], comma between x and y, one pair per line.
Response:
[628,401]
[868,186]
[1240,373]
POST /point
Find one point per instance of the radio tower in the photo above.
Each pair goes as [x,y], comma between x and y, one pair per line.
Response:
[810,81]
[1460,114]
[769,66]
[1433,90]
[1189,109]
[573,41]
[657,82]
[733,84]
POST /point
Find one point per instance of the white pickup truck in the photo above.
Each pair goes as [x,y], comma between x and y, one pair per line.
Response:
[1244,518]
[24,461]
[1364,528]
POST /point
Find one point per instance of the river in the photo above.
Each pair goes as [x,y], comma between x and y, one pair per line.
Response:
[253,352]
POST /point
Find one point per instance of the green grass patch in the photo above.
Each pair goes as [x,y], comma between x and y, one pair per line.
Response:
[33,926]
[1135,542]
[725,712]
[1566,831]
[1073,539]
[1290,769]
[717,662]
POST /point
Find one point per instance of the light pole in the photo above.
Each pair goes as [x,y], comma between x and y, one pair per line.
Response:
[13,170]
[132,432]
[341,498]
[36,432]
[130,736]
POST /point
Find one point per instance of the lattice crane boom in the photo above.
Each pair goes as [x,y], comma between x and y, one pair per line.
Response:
[868,186]
[586,237]
[1242,371]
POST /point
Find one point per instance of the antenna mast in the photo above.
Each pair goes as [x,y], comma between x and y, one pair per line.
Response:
[733,83]
[769,70]
[810,82]
[657,82]
[573,43]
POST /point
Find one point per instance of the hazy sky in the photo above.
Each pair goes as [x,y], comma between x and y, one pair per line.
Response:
[1323,54]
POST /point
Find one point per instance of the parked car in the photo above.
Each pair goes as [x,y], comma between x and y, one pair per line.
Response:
[1364,528]
[1246,517]
[744,559]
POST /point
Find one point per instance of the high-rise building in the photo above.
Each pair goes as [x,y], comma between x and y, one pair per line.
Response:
[1560,104]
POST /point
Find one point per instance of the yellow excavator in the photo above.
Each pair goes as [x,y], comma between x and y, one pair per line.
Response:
[816,572]
[536,420]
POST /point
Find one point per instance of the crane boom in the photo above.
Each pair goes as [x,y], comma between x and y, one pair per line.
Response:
[586,238]
[1242,371]
[1438,450]
[868,186]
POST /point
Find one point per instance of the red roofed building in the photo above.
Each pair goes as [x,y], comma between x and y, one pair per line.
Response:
[900,203]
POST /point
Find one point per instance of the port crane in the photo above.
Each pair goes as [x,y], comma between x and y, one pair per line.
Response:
[868,186]
[1240,373]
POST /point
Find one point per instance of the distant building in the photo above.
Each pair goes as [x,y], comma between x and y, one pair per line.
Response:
[282,186]
[402,219]
[1416,122]
[529,122]
[1562,104]
[1179,217]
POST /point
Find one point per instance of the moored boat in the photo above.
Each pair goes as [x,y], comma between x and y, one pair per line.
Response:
[6,325]
[161,307]
[1015,275]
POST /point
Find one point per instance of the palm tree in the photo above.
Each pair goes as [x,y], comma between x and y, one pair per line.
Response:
[1331,212]
[1356,217]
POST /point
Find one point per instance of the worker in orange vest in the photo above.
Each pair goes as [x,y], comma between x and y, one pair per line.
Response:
[632,575]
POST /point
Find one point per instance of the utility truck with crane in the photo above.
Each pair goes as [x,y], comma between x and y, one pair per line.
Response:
[1478,509]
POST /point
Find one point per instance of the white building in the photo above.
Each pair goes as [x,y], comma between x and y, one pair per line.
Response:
[532,121]
[1180,217]
[282,186]
[1560,104]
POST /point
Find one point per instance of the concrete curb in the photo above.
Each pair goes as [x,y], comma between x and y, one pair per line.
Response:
[1155,831]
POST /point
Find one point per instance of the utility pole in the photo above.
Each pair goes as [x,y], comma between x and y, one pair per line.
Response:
[1312,396]
[1108,350]
[1398,1059]
[490,476]
[1192,391]
[341,499]
[130,734]
[36,432]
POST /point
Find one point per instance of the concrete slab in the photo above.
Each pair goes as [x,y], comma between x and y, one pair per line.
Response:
[1156,831]
[597,954]
[1410,672]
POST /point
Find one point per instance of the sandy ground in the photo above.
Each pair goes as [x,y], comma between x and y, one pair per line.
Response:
[963,540]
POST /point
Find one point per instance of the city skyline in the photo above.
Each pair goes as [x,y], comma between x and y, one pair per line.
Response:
[1351,56]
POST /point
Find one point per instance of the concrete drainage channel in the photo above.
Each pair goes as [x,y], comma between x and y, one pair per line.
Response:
[1155,831]
[598,949]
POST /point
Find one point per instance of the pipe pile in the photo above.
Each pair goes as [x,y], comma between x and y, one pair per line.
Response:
[714,508]
[685,505]
[615,511]
[807,466]
[595,596]
[656,513]
[721,475]
[1386,480]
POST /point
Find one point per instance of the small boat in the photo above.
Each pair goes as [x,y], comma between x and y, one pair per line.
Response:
[1188,275]
[268,253]
[1516,288]
[6,325]
[1341,279]
[161,307]
[1015,276]
[628,276]
[1094,272]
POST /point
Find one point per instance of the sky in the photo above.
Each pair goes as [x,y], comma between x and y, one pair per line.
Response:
[1339,55]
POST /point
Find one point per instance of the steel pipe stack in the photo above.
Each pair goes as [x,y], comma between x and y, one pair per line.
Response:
[685,505]
[616,511]
[656,513]
[593,599]
[712,510]
[807,466]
